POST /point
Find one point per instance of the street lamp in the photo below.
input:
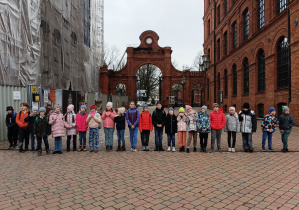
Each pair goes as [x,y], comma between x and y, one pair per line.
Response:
[204,66]
[183,84]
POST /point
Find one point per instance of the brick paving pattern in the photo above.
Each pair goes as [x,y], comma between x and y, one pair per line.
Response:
[152,180]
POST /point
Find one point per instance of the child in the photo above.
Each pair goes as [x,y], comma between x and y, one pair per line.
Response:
[248,126]
[171,128]
[12,127]
[57,122]
[93,121]
[41,130]
[31,120]
[133,123]
[158,119]
[268,126]
[81,123]
[70,124]
[108,117]
[182,129]
[120,120]
[191,120]
[217,120]
[232,126]
[286,122]
[146,126]
[203,128]
[23,126]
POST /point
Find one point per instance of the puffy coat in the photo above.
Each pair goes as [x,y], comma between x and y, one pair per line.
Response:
[159,117]
[286,122]
[145,122]
[94,122]
[248,122]
[217,120]
[57,125]
[11,120]
[70,119]
[81,121]
[108,120]
[192,121]
[41,126]
[269,123]
[232,123]
[31,121]
[20,119]
[133,117]
[171,124]
[120,121]
[203,123]
[182,125]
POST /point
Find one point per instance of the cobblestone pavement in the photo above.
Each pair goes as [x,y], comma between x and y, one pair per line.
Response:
[152,180]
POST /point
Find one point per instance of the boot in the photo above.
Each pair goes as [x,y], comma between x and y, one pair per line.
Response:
[47,151]
[39,153]
[194,149]
[188,150]
[80,148]
[123,148]
[118,149]
[84,148]
[68,149]
[111,147]
[157,148]
[161,149]
[21,149]
[183,149]
[106,148]
[74,148]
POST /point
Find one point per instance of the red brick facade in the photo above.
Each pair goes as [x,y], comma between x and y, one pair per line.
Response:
[265,38]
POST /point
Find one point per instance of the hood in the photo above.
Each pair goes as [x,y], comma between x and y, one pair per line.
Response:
[220,111]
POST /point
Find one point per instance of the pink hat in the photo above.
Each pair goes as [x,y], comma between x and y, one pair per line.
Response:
[110,104]
[71,107]
[187,107]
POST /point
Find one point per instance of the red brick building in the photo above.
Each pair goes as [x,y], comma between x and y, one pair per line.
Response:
[252,48]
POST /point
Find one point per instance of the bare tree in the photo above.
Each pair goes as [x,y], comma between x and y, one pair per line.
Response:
[113,59]
[197,61]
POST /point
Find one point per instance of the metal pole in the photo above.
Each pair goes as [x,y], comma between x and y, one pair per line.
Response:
[204,98]
[160,89]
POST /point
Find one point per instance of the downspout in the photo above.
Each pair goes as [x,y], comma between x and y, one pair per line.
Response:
[289,57]
[215,92]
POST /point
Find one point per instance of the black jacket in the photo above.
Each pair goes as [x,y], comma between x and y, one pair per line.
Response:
[286,122]
[168,128]
[11,121]
[159,117]
[31,120]
[41,127]
[120,122]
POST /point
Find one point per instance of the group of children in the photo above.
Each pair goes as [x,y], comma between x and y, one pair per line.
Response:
[187,122]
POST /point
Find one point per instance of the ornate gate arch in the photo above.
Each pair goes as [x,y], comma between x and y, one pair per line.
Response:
[149,52]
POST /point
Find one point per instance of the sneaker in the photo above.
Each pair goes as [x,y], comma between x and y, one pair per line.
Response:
[10,147]
[60,152]
[123,148]
[212,150]
[135,150]
[201,149]
[47,151]
[246,150]
[183,148]
[161,149]
[39,153]
[219,150]
[173,149]
[168,149]
[233,150]
[250,150]
[188,150]
[263,149]
[118,149]
[271,150]
[131,149]
[194,149]
[143,148]
[156,148]
[146,148]
[229,149]
[204,149]
[21,149]
[90,150]
[96,151]
[54,152]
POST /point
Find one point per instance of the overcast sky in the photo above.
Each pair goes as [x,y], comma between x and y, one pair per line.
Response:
[178,23]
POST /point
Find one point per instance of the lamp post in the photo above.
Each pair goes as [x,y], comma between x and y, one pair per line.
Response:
[204,66]
[183,84]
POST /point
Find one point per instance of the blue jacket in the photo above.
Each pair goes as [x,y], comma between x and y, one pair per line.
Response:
[133,117]
[203,123]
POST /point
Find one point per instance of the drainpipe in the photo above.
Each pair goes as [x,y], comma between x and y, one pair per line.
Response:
[215,93]
[289,57]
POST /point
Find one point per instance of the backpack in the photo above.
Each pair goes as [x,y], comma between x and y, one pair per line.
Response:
[97,115]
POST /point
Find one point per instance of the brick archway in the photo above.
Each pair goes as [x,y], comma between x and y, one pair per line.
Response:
[149,52]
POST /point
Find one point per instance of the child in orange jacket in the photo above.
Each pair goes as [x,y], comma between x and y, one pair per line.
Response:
[145,127]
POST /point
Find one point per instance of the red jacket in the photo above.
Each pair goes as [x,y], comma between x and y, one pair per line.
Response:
[81,122]
[145,122]
[217,120]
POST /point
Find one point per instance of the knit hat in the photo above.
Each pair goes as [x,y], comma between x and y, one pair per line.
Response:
[170,109]
[83,106]
[71,107]
[215,105]
[232,107]
[9,108]
[272,109]
[144,106]
[34,108]
[246,106]
[285,108]
[182,109]
[56,106]
[205,108]
[42,109]
[110,104]
[122,110]
[93,107]
[187,107]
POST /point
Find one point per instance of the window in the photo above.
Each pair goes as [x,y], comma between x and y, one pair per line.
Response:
[86,20]
[260,108]
[219,82]
[246,24]
[235,80]
[209,27]
[225,43]
[279,106]
[234,35]
[246,76]
[261,71]
[261,13]
[219,14]
[225,7]
[281,5]
[208,88]
[225,108]
[225,83]
[282,64]
[218,50]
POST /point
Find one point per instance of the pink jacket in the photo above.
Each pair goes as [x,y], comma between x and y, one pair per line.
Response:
[57,125]
[81,122]
[94,122]
[69,121]
[108,120]
[182,125]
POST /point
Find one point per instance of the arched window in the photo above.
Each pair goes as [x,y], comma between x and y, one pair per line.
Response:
[225,43]
[246,76]
[261,13]
[225,83]
[235,80]
[282,64]
[234,28]
[218,50]
[225,7]
[281,5]
[261,71]
[246,24]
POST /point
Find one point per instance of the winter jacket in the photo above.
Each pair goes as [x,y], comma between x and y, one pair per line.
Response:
[248,123]
[191,120]
[31,120]
[20,119]
[269,123]
[41,126]
[108,120]
[133,117]
[182,125]
[286,122]
[159,117]
[94,122]
[81,121]
[171,123]
[11,120]
[217,120]
[145,122]
[203,123]
[232,123]
[70,119]
[57,125]
[120,121]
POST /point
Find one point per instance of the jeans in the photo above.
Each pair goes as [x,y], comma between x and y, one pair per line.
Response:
[265,135]
[216,134]
[39,143]
[203,140]
[109,136]
[58,144]
[68,143]
[32,141]
[231,134]
[171,139]
[94,138]
[23,134]
[12,135]
[158,136]
[247,141]
[145,137]
[133,136]
[82,138]
[121,137]
[284,138]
